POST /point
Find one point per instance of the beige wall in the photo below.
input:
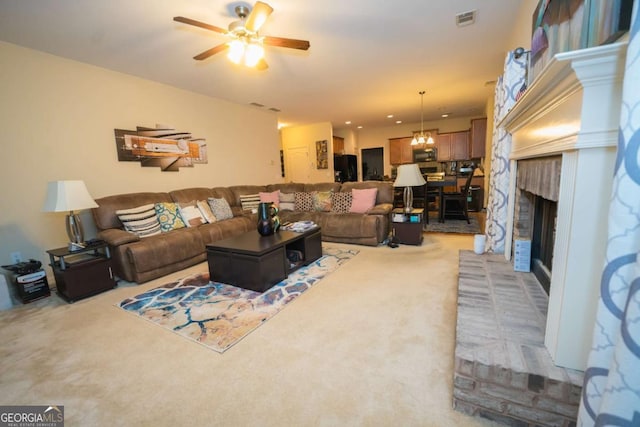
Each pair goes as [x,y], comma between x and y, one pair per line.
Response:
[522,28]
[57,118]
[303,138]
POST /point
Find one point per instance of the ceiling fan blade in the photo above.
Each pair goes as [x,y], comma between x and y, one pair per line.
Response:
[258,16]
[262,65]
[211,52]
[283,42]
[199,24]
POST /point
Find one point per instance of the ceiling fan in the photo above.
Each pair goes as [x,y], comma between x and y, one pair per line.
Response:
[246,45]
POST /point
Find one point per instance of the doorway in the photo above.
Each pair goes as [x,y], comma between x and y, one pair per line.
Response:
[372,164]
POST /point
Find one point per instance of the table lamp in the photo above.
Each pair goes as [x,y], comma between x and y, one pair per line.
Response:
[69,196]
[409,175]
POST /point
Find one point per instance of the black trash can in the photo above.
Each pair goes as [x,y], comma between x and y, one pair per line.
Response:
[475,198]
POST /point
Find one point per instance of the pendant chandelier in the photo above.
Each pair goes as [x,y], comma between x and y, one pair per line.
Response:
[420,138]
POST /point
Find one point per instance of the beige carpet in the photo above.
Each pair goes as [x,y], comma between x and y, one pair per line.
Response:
[371,345]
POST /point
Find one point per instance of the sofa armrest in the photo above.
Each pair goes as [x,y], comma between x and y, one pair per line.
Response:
[381,209]
[117,237]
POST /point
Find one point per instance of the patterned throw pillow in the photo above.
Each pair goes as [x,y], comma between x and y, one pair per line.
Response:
[190,214]
[287,201]
[341,202]
[220,208]
[363,199]
[303,202]
[141,221]
[206,212]
[249,202]
[273,197]
[168,216]
[321,200]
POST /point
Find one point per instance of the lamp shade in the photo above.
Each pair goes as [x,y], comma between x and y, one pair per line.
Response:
[409,176]
[67,196]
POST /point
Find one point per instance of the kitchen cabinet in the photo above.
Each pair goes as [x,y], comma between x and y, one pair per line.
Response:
[443,144]
[453,146]
[460,145]
[338,145]
[478,137]
[400,151]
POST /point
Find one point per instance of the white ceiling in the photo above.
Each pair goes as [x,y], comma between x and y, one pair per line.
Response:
[367,58]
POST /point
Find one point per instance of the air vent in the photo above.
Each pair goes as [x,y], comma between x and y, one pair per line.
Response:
[274,109]
[466,18]
[255,104]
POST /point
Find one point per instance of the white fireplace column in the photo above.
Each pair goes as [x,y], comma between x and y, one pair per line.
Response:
[573,109]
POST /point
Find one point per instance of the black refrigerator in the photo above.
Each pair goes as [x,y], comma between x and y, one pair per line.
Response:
[345,167]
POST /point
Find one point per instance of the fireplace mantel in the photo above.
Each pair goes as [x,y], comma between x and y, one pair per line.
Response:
[572,109]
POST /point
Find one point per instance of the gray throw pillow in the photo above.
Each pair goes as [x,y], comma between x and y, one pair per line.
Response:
[220,208]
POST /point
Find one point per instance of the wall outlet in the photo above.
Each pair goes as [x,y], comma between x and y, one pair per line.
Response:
[16,257]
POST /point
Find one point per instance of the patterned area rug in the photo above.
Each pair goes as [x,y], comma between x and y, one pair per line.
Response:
[453,226]
[218,315]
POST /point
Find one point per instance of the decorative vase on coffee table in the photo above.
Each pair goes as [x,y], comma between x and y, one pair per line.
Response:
[266,212]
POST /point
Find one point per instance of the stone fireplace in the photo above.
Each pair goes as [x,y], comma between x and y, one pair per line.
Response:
[563,150]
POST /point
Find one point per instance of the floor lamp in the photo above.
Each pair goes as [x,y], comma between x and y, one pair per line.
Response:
[409,175]
[69,196]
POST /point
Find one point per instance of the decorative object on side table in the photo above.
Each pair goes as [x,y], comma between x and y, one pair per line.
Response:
[70,196]
[408,176]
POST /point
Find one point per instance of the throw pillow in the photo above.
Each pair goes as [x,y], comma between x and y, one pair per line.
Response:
[220,208]
[303,202]
[141,221]
[249,202]
[363,199]
[205,210]
[321,200]
[273,197]
[287,201]
[341,202]
[168,216]
[190,214]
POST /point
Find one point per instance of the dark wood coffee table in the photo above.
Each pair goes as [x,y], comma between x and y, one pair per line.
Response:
[256,262]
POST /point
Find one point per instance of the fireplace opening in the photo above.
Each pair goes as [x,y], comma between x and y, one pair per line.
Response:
[543,238]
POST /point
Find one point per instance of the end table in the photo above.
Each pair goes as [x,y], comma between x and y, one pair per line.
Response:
[82,272]
[407,227]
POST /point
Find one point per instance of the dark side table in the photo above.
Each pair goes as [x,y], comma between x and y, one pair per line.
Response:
[407,227]
[82,272]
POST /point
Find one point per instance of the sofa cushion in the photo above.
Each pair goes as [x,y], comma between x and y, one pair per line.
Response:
[271,197]
[250,202]
[323,186]
[220,208]
[321,200]
[105,214]
[286,187]
[287,201]
[190,214]
[187,195]
[206,211]
[363,199]
[341,202]
[303,202]
[141,220]
[385,189]
[169,216]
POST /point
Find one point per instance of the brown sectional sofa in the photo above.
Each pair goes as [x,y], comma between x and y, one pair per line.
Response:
[140,260]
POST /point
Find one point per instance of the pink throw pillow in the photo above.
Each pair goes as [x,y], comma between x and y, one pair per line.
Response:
[363,199]
[273,197]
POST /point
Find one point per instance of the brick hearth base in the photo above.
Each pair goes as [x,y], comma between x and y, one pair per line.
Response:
[503,372]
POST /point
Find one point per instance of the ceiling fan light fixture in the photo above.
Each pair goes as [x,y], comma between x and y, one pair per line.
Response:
[253,53]
[236,51]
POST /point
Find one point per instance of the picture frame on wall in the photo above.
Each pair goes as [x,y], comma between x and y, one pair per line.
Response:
[322,154]
[566,25]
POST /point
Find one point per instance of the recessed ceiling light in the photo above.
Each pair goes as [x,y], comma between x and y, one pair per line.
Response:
[390,116]
[445,115]
[398,122]
[359,127]
[348,122]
